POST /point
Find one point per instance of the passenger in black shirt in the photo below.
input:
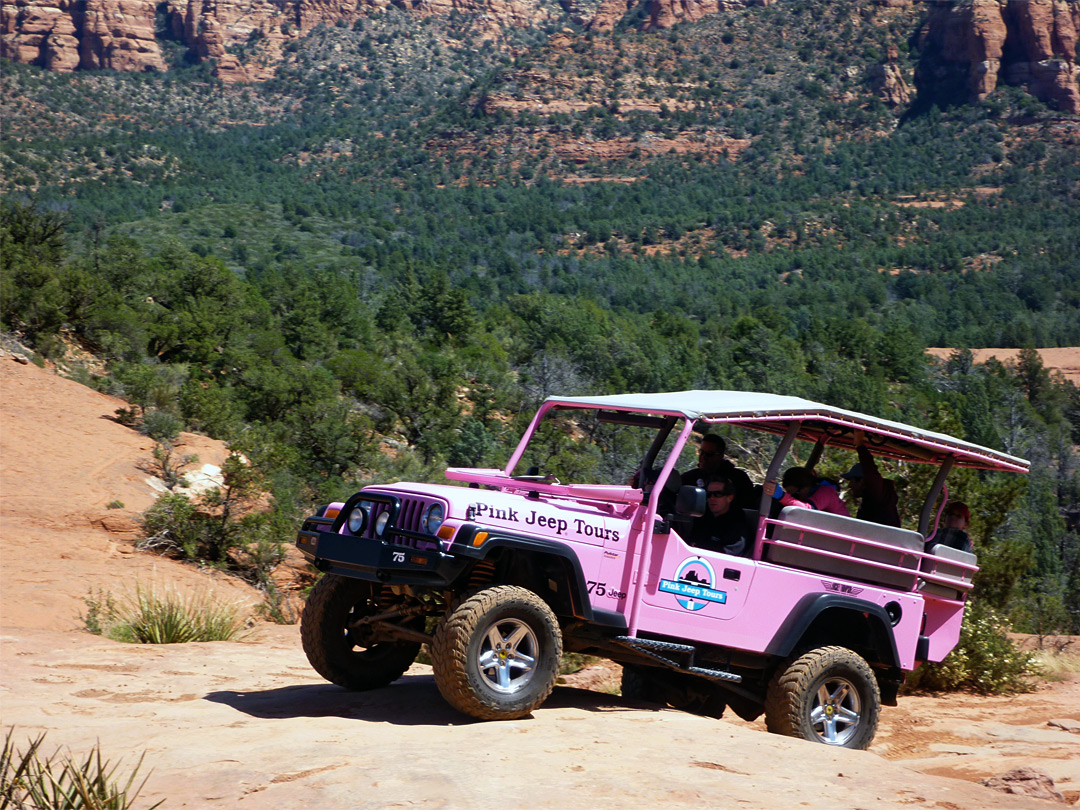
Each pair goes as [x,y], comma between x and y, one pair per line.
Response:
[878,502]
[723,527]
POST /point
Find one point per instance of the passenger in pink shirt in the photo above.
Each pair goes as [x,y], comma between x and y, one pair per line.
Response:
[803,488]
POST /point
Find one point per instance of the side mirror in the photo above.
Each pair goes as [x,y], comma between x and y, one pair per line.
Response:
[690,501]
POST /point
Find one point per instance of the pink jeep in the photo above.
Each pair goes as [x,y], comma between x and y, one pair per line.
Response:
[815,627]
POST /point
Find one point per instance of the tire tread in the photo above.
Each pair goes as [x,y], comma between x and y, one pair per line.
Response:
[333,596]
[450,651]
[789,689]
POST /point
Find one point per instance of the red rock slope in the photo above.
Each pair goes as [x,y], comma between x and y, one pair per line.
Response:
[63,460]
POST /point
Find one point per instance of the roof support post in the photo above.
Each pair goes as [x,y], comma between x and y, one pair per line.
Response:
[932,496]
[765,507]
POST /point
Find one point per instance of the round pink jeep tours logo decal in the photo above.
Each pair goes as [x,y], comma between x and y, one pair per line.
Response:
[693,584]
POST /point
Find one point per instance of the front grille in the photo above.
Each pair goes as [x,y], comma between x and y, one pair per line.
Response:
[408,519]
[411,511]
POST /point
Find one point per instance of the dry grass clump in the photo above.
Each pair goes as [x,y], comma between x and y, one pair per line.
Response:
[61,782]
[1059,660]
[150,616]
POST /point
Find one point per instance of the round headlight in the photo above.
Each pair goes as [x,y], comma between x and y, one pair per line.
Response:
[357,519]
[433,518]
[380,523]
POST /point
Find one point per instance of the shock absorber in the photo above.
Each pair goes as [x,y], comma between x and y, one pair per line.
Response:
[482,574]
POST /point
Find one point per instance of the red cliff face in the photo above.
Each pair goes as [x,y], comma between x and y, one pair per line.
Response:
[119,34]
[62,35]
[1024,42]
[667,13]
[982,42]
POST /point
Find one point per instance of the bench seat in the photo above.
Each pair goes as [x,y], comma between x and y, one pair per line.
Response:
[837,534]
[949,580]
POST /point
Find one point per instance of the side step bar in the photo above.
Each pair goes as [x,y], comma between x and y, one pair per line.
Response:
[665,653]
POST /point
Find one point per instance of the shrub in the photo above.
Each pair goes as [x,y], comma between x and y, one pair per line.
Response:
[220,527]
[1058,661]
[151,617]
[278,606]
[573,662]
[60,782]
[985,659]
[170,466]
[171,525]
[161,426]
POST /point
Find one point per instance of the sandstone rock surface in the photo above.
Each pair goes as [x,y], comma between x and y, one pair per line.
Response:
[1026,782]
[888,83]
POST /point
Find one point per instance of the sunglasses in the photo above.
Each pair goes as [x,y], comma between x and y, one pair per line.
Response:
[714,493]
[709,453]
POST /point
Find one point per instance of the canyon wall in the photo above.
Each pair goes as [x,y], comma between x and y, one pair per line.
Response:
[67,35]
[974,43]
[983,43]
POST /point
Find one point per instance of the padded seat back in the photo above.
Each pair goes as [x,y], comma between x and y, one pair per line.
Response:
[957,580]
[840,535]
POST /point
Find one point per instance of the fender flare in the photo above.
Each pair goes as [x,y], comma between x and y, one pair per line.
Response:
[811,606]
[497,540]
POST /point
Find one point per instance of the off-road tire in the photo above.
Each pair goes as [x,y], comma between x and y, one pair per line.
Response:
[637,685]
[342,656]
[496,653]
[828,695]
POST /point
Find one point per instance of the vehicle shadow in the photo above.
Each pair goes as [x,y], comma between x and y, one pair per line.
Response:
[413,700]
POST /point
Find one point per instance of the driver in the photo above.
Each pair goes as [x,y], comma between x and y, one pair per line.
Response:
[711,463]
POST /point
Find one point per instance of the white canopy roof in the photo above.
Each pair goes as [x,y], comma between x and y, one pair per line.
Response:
[774,413]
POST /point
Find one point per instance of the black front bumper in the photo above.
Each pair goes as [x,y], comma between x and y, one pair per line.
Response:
[399,557]
[377,560]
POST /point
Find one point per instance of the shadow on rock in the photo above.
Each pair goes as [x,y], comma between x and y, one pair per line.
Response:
[572,697]
[412,701]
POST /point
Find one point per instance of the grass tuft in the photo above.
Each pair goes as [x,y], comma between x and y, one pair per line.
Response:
[1058,663]
[61,782]
[150,616]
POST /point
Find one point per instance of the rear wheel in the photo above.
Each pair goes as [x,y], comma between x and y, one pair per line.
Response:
[637,685]
[829,695]
[340,646]
[496,653]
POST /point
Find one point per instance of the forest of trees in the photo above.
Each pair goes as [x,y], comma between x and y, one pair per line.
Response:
[372,277]
[313,385]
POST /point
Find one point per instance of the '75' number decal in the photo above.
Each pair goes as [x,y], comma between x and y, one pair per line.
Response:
[601,589]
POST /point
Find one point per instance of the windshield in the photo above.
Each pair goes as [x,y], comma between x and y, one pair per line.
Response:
[586,446]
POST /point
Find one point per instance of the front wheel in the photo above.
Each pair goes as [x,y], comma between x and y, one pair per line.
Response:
[829,695]
[340,645]
[496,653]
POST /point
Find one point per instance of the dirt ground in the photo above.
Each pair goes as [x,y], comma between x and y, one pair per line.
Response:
[249,724]
[1065,360]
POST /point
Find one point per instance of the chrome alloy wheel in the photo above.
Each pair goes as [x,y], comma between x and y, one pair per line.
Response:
[508,655]
[834,714]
